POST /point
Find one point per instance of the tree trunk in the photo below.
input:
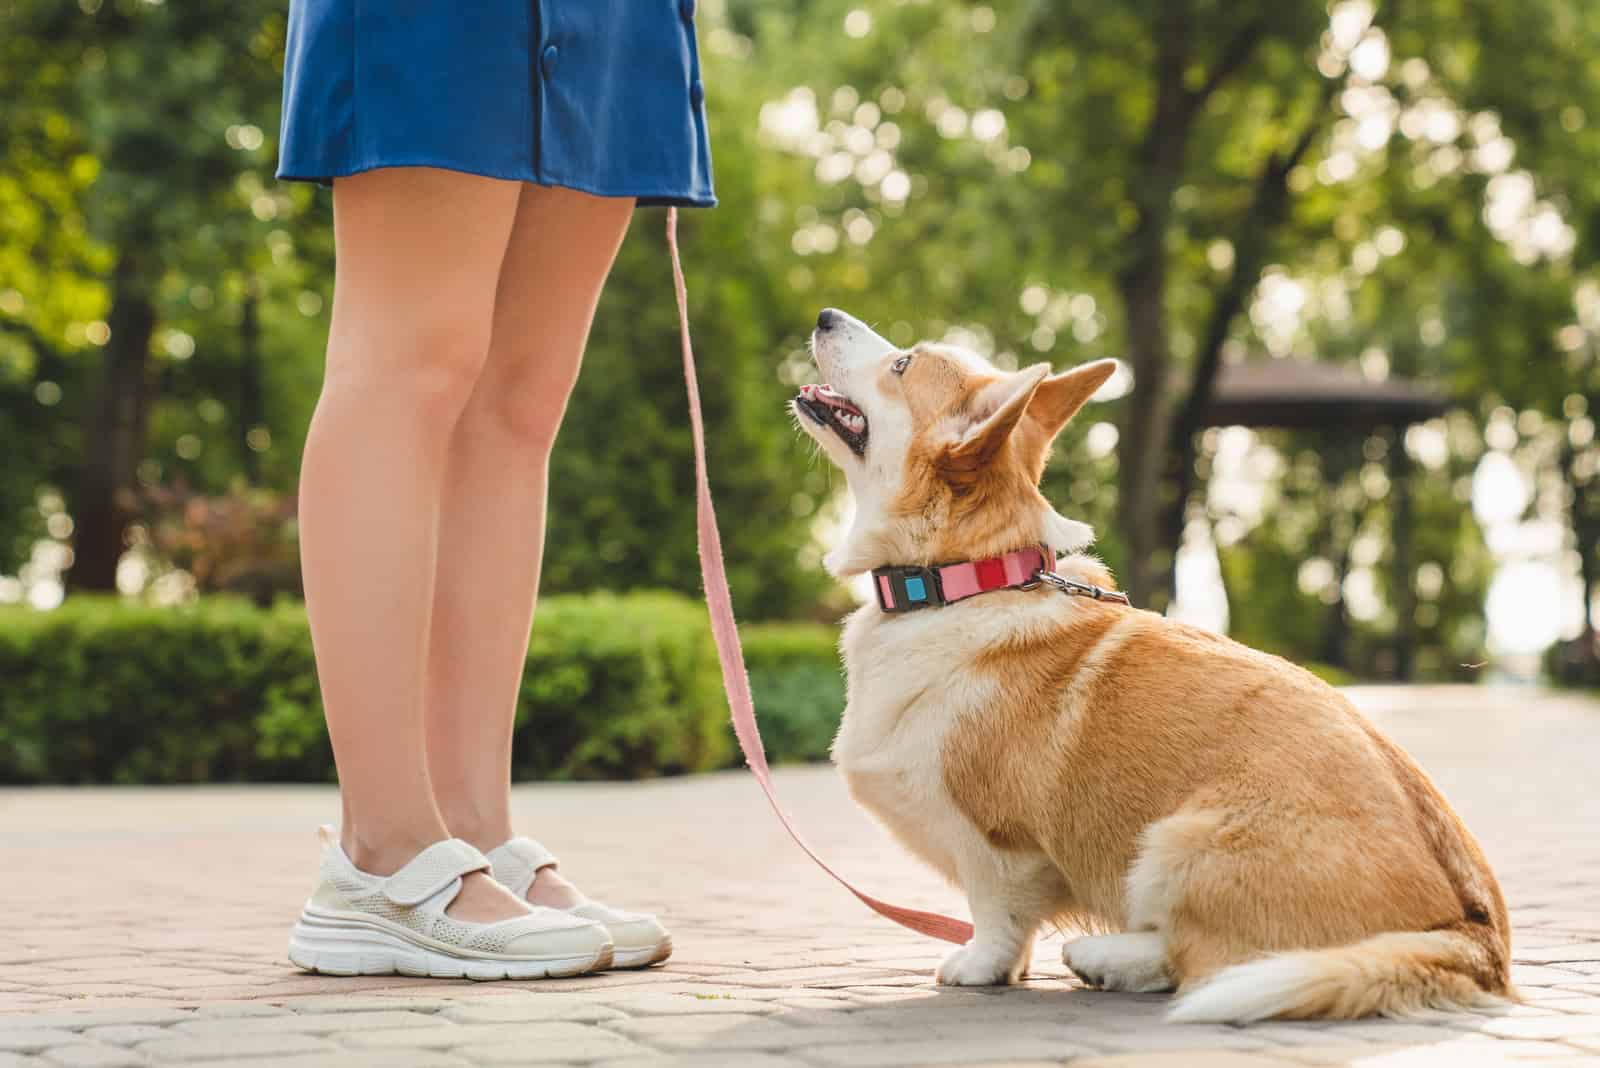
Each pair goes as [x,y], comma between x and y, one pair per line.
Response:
[1142,449]
[115,435]
[252,405]
[1583,663]
[1405,592]
[1268,209]
[1142,285]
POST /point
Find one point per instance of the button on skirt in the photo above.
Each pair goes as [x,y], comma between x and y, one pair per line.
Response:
[602,96]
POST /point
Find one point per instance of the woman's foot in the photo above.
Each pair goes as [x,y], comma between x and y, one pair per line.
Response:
[419,921]
[528,870]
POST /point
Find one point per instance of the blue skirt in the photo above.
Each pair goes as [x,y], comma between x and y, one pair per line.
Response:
[602,96]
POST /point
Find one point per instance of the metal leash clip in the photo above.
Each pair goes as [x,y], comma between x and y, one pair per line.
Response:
[1080,589]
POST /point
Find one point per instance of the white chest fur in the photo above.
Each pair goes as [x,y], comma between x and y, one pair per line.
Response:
[910,682]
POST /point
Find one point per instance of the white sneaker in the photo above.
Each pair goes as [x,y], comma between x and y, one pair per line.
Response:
[638,939]
[361,924]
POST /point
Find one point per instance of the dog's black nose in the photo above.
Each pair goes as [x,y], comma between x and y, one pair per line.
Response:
[826,318]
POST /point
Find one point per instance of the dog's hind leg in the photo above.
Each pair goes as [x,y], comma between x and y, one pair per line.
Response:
[1135,962]
[1010,895]
[1138,961]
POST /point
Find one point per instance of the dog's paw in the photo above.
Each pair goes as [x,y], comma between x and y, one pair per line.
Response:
[1135,963]
[973,966]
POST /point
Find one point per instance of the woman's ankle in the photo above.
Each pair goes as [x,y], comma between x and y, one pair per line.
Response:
[387,853]
[483,830]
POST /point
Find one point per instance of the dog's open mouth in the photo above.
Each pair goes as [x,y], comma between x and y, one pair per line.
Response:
[833,410]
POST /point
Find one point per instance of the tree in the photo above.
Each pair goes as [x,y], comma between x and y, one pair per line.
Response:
[163,107]
[1152,180]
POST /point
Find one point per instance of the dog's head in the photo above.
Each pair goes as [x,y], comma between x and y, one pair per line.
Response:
[943,451]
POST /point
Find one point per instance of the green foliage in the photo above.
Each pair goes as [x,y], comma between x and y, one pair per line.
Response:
[102,691]
[108,691]
[798,685]
[622,475]
[1010,136]
[620,687]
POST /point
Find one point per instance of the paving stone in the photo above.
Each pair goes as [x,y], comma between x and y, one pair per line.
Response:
[123,1034]
[589,1047]
[719,991]
[1159,1039]
[1287,1033]
[529,1010]
[33,1039]
[816,1003]
[318,1003]
[77,1021]
[1557,952]
[19,1004]
[349,1059]
[716,1032]
[1542,975]
[689,1005]
[1577,1003]
[706,1059]
[231,1047]
[915,1051]
[78,990]
[235,1009]
[1467,1051]
[1203,1059]
[94,1055]
[308,1023]
[1559,1025]
[1515,1049]
[452,1036]
[822,977]
[1396,1031]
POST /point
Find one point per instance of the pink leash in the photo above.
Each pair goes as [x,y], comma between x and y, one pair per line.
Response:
[726,632]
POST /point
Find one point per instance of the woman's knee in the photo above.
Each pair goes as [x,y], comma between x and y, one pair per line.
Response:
[424,366]
[525,399]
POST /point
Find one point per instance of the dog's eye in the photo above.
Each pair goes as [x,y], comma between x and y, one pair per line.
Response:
[899,366]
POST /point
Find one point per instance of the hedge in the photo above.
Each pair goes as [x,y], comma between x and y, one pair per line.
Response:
[798,687]
[617,686]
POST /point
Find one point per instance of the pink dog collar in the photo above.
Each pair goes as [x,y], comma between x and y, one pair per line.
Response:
[904,588]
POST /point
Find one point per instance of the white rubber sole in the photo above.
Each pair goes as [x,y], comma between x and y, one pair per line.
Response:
[643,958]
[333,945]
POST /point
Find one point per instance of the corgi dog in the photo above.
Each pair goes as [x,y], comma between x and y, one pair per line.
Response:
[1227,824]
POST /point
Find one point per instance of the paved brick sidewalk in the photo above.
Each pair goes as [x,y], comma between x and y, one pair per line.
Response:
[147,926]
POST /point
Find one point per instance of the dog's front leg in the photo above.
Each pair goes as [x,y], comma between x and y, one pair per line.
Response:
[1010,895]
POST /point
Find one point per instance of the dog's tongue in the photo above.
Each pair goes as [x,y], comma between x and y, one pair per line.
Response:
[826,394]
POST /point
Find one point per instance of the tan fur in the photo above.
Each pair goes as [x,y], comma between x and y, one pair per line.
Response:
[1137,773]
[962,499]
[1256,779]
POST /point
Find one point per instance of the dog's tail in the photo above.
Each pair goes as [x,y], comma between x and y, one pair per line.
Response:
[1464,966]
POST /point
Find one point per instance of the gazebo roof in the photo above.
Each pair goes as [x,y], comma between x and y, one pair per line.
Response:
[1303,394]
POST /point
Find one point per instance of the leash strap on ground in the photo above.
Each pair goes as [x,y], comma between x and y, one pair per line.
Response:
[723,628]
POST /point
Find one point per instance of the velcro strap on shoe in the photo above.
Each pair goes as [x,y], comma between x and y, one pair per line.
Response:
[531,853]
[518,862]
[433,869]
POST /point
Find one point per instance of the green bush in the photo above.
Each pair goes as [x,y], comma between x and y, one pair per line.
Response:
[798,687]
[102,690]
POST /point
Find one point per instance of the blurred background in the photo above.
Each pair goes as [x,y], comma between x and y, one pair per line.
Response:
[1345,252]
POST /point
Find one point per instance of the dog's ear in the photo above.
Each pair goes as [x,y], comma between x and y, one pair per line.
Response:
[1056,400]
[994,414]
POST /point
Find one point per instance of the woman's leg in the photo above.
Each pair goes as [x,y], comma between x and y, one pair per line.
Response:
[491,533]
[418,254]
